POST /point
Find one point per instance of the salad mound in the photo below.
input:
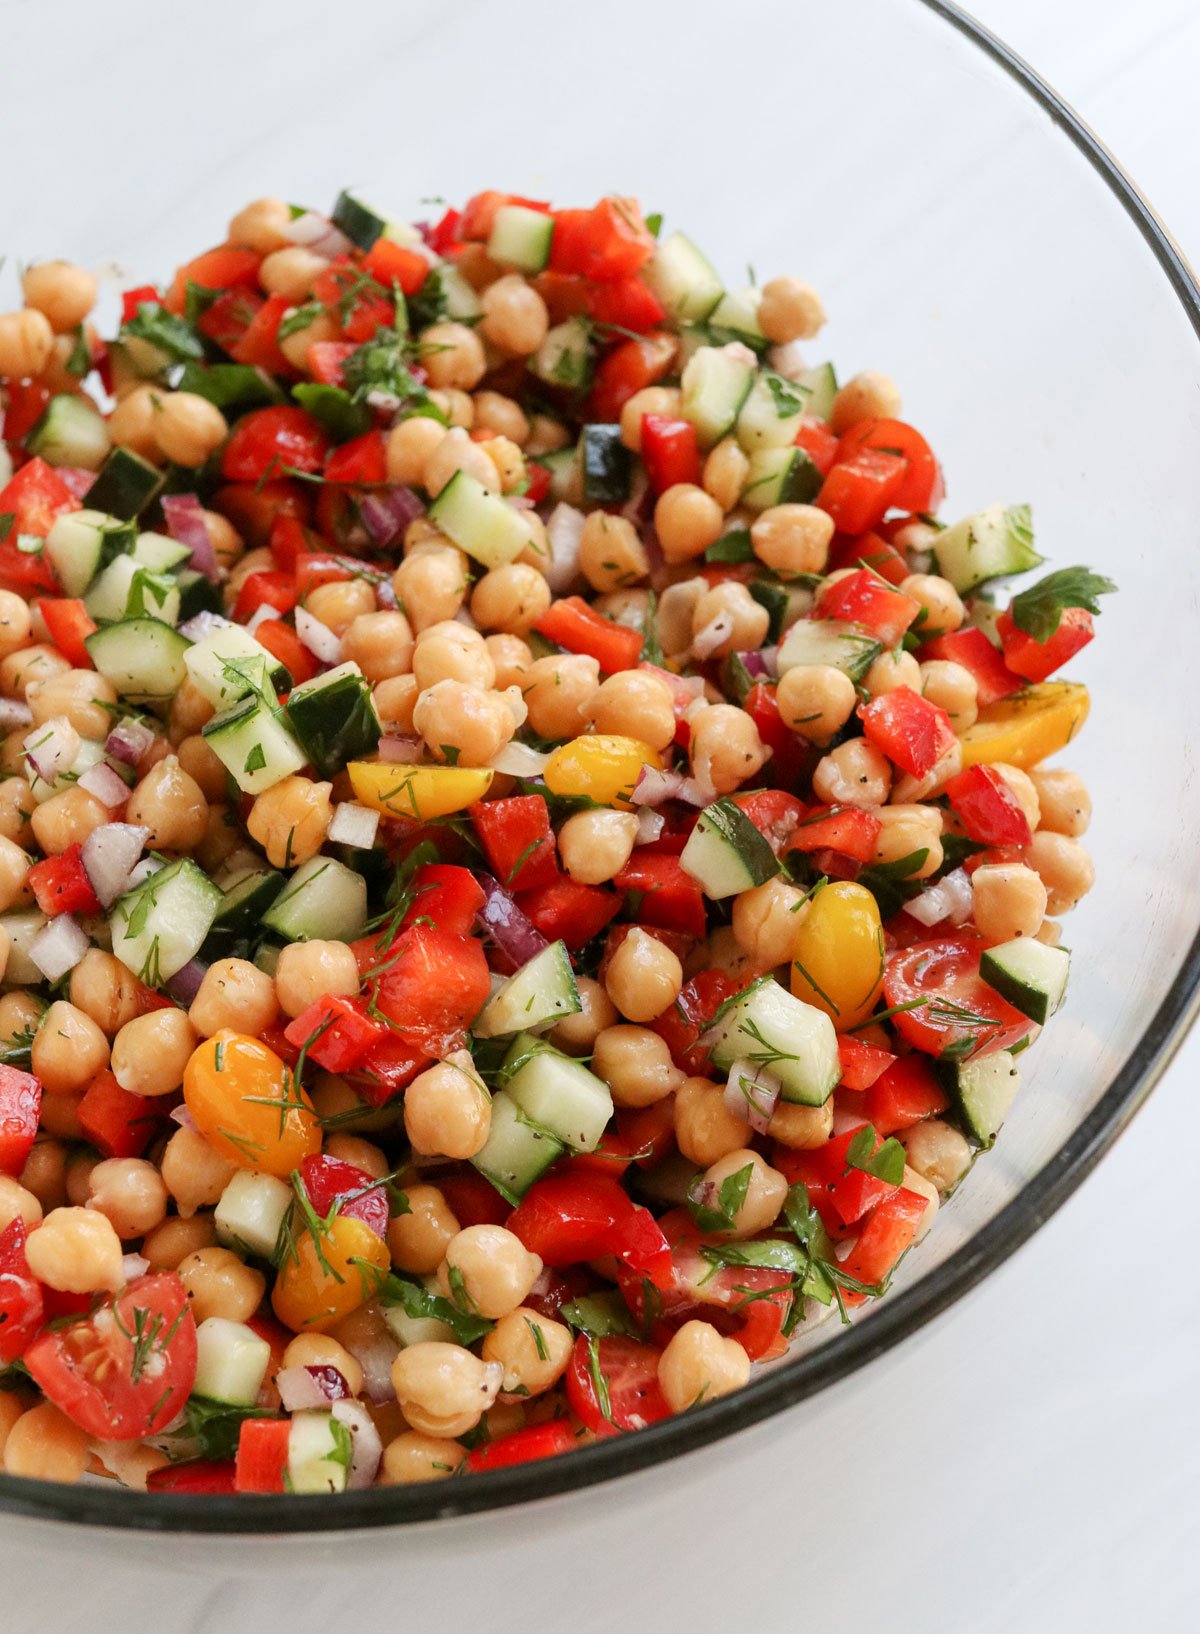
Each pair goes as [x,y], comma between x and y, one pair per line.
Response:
[527,863]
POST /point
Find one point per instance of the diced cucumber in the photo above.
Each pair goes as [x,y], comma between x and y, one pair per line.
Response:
[682,279]
[670,1181]
[229,385]
[1028,974]
[417,1330]
[563,466]
[828,641]
[161,924]
[127,589]
[142,657]
[126,484]
[822,387]
[318,1453]
[558,1094]
[520,237]
[565,356]
[516,1153]
[21,928]
[771,415]
[481,523]
[781,476]
[251,1212]
[229,663]
[231,1362]
[244,900]
[460,299]
[71,431]
[197,594]
[737,311]
[324,901]
[606,463]
[713,387]
[159,553]
[777,599]
[253,743]
[334,718]
[725,854]
[83,543]
[984,1089]
[361,224]
[539,995]
[771,1027]
[989,545]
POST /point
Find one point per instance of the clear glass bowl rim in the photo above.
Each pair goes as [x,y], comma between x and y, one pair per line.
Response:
[894,1320]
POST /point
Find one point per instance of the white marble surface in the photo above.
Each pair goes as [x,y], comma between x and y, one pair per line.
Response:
[1026,1462]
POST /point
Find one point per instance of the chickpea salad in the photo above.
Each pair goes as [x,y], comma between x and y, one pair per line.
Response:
[527,866]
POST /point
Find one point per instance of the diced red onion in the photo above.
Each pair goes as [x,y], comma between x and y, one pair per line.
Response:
[184,517]
[846,1116]
[317,234]
[201,625]
[517,938]
[50,749]
[714,634]
[180,1115]
[519,760]
[521,502]
[653,787]
[650,825]
[77,480]
[639,491]
[108,856]
[353,825]
[787,360]
[101,781]
[128,742]
[318,638]
[14,713]
[400,750]
[262,614]
[385,595]
[144,871]
[133,1265]
[366,1446]
[751,1092]
[763,661]
[302,1388]
[836,864]
[185,983]
[375,1356]
[685,690]
[564,530]
[947,898]
[58,947]
[387,512]
[659,572]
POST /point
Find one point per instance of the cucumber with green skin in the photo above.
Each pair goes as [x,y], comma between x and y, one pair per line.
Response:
[127,484]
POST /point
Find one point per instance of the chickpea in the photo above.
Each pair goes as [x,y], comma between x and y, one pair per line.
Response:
[726,748]
[1050,932]
[790,310]
[338,605]
[463,723]
[611,553]
[508,460]
[511,658]
[792,538]
[635,703]
[17,1202]
[867,396]
[291,819]
[558,691]
[26,343]
[1064,805]
[409,448]
[644,976]
[381,644]
[321,326]
[130,1194]
[418,1240]
[732,609]
[855,773]
[726,469]
[765,1190]
[193,1173]
[190,711]
[258,560]
[765,920]
[495,1270]
[290,272]
[458,406]
[913,1181]
[79,1177]
[596,845]
[176,1238]
[674,620]
[532,1349]
[14,873]
[307,971]
[413,1457]
[456,452]
[45,1445]
[395,700]
[189,428]
[909,828]
[235,994]
[1023,789]
[699,1365]
[939,600]
[452,355]
[44,1174]
[816,700]
[447,1110]
[169,803]
[11,1408]
[1064,867]
[662,400]
[261,225]
[546,436]
[938,1152]
[576,1034]
[15,622]
[705,1127]
[76,1251]
[503,415]
[21,669]
[452,651]
[208,773]
[219,1284]
[953,688]
[61,292]
[79,696]
[803,1128]
[151,1051]
[511,599]
[636,1065]
[322,1350]
[891,670]
[442,1389]
[68,1049]
[515,318]
[431,585]
[19,1012]
[687,521]
[364,1154]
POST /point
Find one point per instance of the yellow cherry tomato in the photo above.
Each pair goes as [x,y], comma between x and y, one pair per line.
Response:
[322,1282]
[837,963]
[417,791]
[603,767]
[246,1105]
[1028,727]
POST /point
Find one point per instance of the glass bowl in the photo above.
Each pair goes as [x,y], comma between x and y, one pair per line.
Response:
[973,239]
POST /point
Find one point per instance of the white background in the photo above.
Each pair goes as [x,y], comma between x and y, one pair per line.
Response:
[1026,1464]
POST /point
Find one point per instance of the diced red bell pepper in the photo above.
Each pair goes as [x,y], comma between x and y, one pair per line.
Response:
[61,885]
[524,1446]
[612,1157]
[446,234]
[282,642]
[69,624]
[667,895]
[870,550]
[845,829]
[649,1131]
[448,895]
[268,442]
[34,498]
[972,649]
[989,810]
[131,299]
[472,1199]
[861,598]
[566,1218]
[230,316]
[1036,660]
[360,308]
[851,1192]
[858,492]
[479,212]
[606,243]
[22,1301]
[888,1234]
[569,912]
[518,839]
[431,986]
[391,264]
[387,1068]
[862,1063]
[579,628]
[625,370]
[289,540]
[907,1092]
[254,507]
[26,404]
[119,1123]
[204,1477]
[262,1455]
[326,359]
[682,1023]
[331,1180]
[341,1032]
[818,442]
[789,754]
[538,482]
[258,347]
[20,1101]
[922,488]
[670,451]
[629,303]
[318,568]
[223,268]
[362,459]
[774,813]
[268,589]
[912,732]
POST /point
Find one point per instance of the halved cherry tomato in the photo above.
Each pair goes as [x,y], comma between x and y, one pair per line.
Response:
[956,1014]
[612,1384]
[246,1104]
[253,507]
[268,442]
[22,1308]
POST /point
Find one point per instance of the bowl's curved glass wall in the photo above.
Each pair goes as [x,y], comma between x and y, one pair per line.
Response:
[968,245]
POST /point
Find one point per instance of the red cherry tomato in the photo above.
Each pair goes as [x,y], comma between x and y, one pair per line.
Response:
[613,1384]
[21,1306]
[270,442]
